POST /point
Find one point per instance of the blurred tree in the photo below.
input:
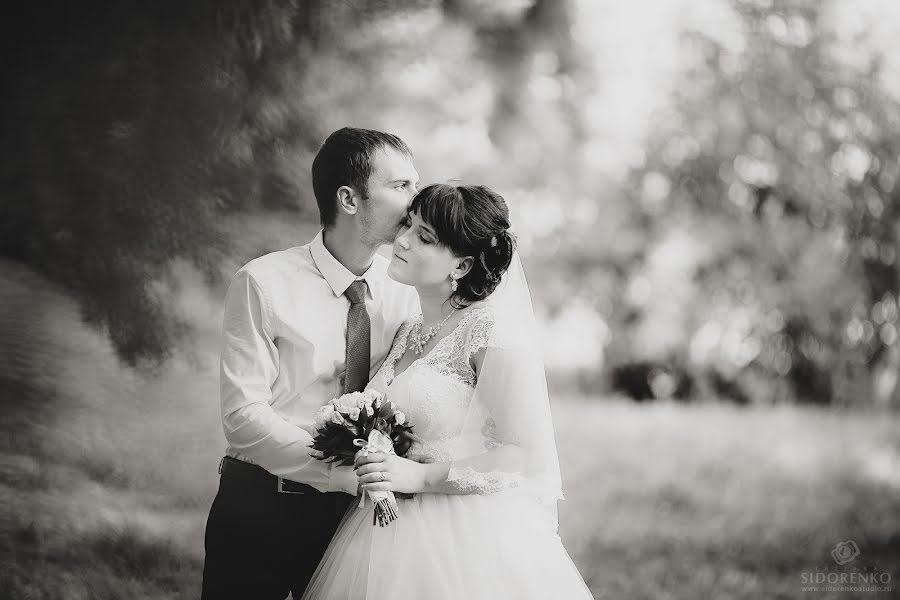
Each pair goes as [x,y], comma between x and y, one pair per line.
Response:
[133,129]
[127,135]
[783,157]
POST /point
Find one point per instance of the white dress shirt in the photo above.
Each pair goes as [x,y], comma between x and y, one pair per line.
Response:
[283,355]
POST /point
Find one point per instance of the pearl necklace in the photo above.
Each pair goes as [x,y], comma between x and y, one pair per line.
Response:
[419,339]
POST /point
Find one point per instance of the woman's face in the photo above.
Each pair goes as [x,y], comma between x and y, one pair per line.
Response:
[419,260]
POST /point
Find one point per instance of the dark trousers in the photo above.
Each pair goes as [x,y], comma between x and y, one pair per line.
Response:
[262,544]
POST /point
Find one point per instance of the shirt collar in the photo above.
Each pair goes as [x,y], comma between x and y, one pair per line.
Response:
[337,275]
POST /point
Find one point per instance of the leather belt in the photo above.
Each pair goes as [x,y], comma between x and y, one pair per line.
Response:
[256,475]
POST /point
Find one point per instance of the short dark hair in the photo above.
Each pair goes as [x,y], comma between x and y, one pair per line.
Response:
[346,159]
[471,220]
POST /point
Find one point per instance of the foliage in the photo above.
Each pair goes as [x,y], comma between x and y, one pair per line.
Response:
[748,244]
[132,130]
[782,158]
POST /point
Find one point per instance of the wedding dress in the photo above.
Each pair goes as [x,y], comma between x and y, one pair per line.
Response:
[495,536]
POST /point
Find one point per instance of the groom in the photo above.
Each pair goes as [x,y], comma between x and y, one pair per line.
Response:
[303,326]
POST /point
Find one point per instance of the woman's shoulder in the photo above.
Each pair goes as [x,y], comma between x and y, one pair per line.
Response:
[404,329]
[480,312]
[479,323]
[411,320]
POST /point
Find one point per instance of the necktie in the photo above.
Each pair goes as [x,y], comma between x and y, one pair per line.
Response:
[358,335]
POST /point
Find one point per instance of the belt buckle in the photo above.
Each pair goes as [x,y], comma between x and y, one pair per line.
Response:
[281,489]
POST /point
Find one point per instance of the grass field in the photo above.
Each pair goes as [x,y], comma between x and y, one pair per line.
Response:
[711,501]
[663,501]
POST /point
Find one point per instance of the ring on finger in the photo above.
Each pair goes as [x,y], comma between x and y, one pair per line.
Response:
[381,475]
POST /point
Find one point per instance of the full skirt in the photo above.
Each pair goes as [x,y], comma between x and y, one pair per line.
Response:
[490,546]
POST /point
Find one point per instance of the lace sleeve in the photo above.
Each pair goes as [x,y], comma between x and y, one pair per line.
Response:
[480,332]
[506,441]
[466,480]
[385,374]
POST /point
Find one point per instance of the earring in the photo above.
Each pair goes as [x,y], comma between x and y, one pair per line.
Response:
[453,284]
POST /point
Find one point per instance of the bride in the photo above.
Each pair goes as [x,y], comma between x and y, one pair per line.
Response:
[484,471]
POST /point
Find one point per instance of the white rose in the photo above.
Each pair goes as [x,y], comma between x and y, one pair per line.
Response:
[345,402]
[399,418]
[369,411]
[324,414]
[354,413]
[379,399]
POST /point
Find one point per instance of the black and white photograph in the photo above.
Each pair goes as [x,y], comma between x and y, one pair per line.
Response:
[450,300]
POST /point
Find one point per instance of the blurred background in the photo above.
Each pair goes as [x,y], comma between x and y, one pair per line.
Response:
[707,201]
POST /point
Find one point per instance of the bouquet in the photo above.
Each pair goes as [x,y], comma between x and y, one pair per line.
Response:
[363,420]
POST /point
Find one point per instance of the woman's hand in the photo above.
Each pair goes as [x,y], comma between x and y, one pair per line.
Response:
[388,472]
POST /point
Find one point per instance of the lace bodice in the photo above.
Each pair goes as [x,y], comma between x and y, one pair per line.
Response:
[435,392]
[450,356]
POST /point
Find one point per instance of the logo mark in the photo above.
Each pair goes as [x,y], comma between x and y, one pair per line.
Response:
[845,552]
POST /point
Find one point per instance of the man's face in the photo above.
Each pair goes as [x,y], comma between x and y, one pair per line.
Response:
[392,185]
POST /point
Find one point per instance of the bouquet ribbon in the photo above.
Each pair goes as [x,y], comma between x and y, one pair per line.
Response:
[377,442]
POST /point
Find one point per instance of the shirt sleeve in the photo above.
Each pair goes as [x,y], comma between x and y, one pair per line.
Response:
[249,368]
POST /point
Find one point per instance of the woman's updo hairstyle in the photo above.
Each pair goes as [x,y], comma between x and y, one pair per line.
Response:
[471,220]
